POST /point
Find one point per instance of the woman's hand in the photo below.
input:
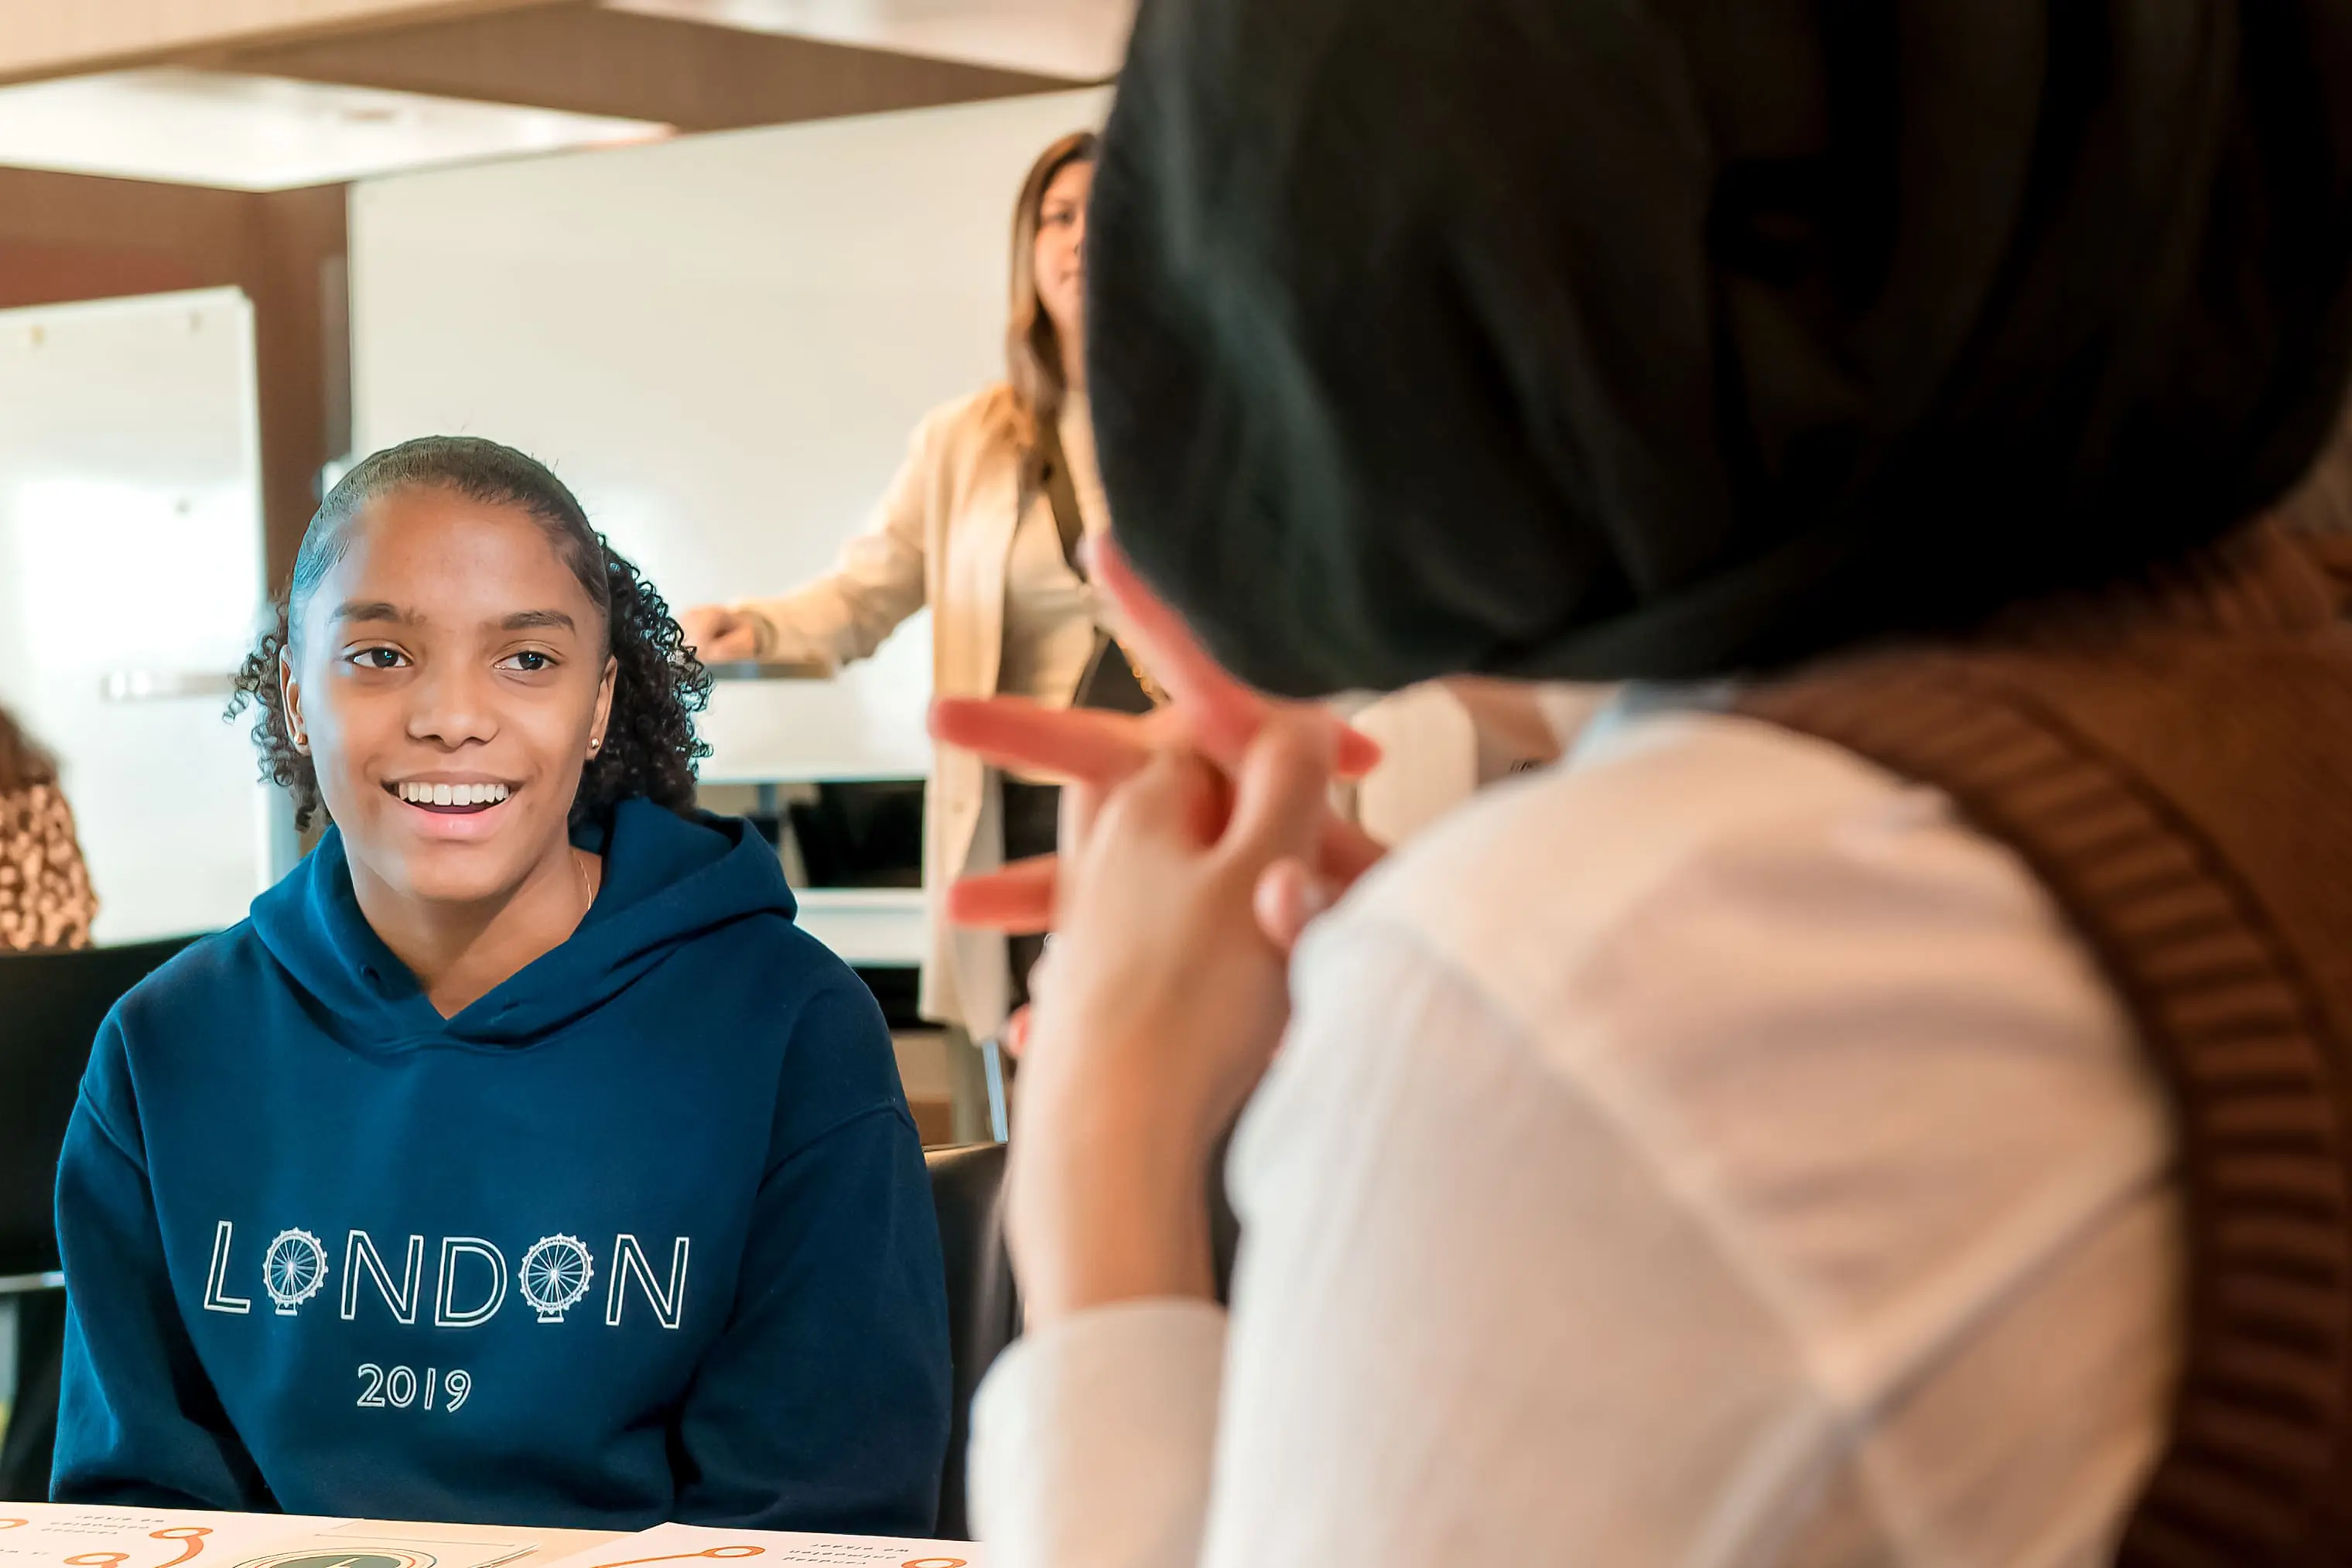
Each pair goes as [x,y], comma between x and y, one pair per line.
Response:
[720,635]
[1198,841]
[1164,1001]
[1093,752]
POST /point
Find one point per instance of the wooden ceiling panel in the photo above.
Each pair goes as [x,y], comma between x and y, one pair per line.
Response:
[70,37]
[580,57]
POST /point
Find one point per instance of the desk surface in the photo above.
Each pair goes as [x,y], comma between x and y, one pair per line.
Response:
[64,1535]
[36,1535]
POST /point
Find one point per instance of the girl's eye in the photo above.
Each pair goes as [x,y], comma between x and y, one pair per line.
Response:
[378,658]
[530,661]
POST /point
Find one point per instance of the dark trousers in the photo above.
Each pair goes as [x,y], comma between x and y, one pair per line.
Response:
[1033,826]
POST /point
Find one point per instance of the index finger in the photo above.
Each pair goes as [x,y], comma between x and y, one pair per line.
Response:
[1223,713]
[1071,743]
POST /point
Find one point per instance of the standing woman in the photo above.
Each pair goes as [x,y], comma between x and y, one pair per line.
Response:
[981,524]
[45,897]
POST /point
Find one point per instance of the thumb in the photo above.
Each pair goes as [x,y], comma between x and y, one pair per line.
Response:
[1287,899]
[1281,793]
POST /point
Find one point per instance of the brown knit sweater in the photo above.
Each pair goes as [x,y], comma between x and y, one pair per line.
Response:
[2174,762]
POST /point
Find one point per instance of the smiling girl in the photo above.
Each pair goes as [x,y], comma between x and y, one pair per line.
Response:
[518,1158]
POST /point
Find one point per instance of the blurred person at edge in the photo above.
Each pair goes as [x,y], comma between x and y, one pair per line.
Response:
[44,895]
[968,528]
[1879,1101]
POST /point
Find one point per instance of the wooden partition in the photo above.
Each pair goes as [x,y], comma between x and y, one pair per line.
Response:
[70,238]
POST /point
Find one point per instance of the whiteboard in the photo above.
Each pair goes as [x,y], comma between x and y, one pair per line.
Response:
[131,559]
[722,343]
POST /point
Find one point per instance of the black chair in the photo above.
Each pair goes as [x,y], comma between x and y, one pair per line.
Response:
[984,1305]
[983,1308]
[50,1007]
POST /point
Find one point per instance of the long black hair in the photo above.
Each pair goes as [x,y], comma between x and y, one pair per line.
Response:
[1612,343]
[650,747]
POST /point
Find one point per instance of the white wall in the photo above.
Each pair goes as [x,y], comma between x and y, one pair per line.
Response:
[722,344]
[131,547]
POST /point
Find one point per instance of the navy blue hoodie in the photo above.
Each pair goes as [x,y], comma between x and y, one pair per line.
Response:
[643,1234]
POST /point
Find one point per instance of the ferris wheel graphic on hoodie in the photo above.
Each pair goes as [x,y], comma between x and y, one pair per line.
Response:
[644,1234]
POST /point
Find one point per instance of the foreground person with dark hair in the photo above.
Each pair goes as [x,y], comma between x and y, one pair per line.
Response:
[518,1159]
[1883,1098]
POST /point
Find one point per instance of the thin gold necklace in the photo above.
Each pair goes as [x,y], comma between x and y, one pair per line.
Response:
[587,893]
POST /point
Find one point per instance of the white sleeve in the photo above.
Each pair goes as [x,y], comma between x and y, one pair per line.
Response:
[876,583]
[1447,1345]
[1713,1152]
[1410,1213]
[1091,1440]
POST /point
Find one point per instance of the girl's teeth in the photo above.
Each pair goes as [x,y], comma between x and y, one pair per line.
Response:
[453,794]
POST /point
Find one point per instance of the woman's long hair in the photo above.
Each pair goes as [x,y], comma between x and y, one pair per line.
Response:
[1032,347]
[22,763]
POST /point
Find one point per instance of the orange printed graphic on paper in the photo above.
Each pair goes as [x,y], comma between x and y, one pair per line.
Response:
[191,1538]
[685,1556]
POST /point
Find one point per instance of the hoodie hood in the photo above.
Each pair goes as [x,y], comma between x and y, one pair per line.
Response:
[668,879]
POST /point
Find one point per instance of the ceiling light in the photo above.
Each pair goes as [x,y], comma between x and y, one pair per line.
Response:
[265,133]
[1081,40]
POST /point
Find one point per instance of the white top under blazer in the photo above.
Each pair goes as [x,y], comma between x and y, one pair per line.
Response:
[956,532]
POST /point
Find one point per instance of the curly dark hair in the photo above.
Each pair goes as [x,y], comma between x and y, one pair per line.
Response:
[650,747]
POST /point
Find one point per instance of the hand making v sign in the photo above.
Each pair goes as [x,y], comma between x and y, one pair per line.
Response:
[1198,841]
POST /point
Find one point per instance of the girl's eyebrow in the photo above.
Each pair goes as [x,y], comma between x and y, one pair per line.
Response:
[524,620]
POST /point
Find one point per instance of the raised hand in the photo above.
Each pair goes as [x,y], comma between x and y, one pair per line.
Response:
[1209,712]
[718,635]
[1165,1002]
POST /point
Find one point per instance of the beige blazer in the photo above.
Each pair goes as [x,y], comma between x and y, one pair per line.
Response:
[941,536]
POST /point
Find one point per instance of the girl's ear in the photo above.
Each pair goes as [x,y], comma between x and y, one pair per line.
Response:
[290,692]
[605,688]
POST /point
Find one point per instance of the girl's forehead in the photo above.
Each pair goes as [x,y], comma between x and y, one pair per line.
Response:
[440,555]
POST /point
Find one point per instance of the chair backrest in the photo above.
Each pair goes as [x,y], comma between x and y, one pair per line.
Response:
[983,1308]
[51,1004]
[983,1303]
